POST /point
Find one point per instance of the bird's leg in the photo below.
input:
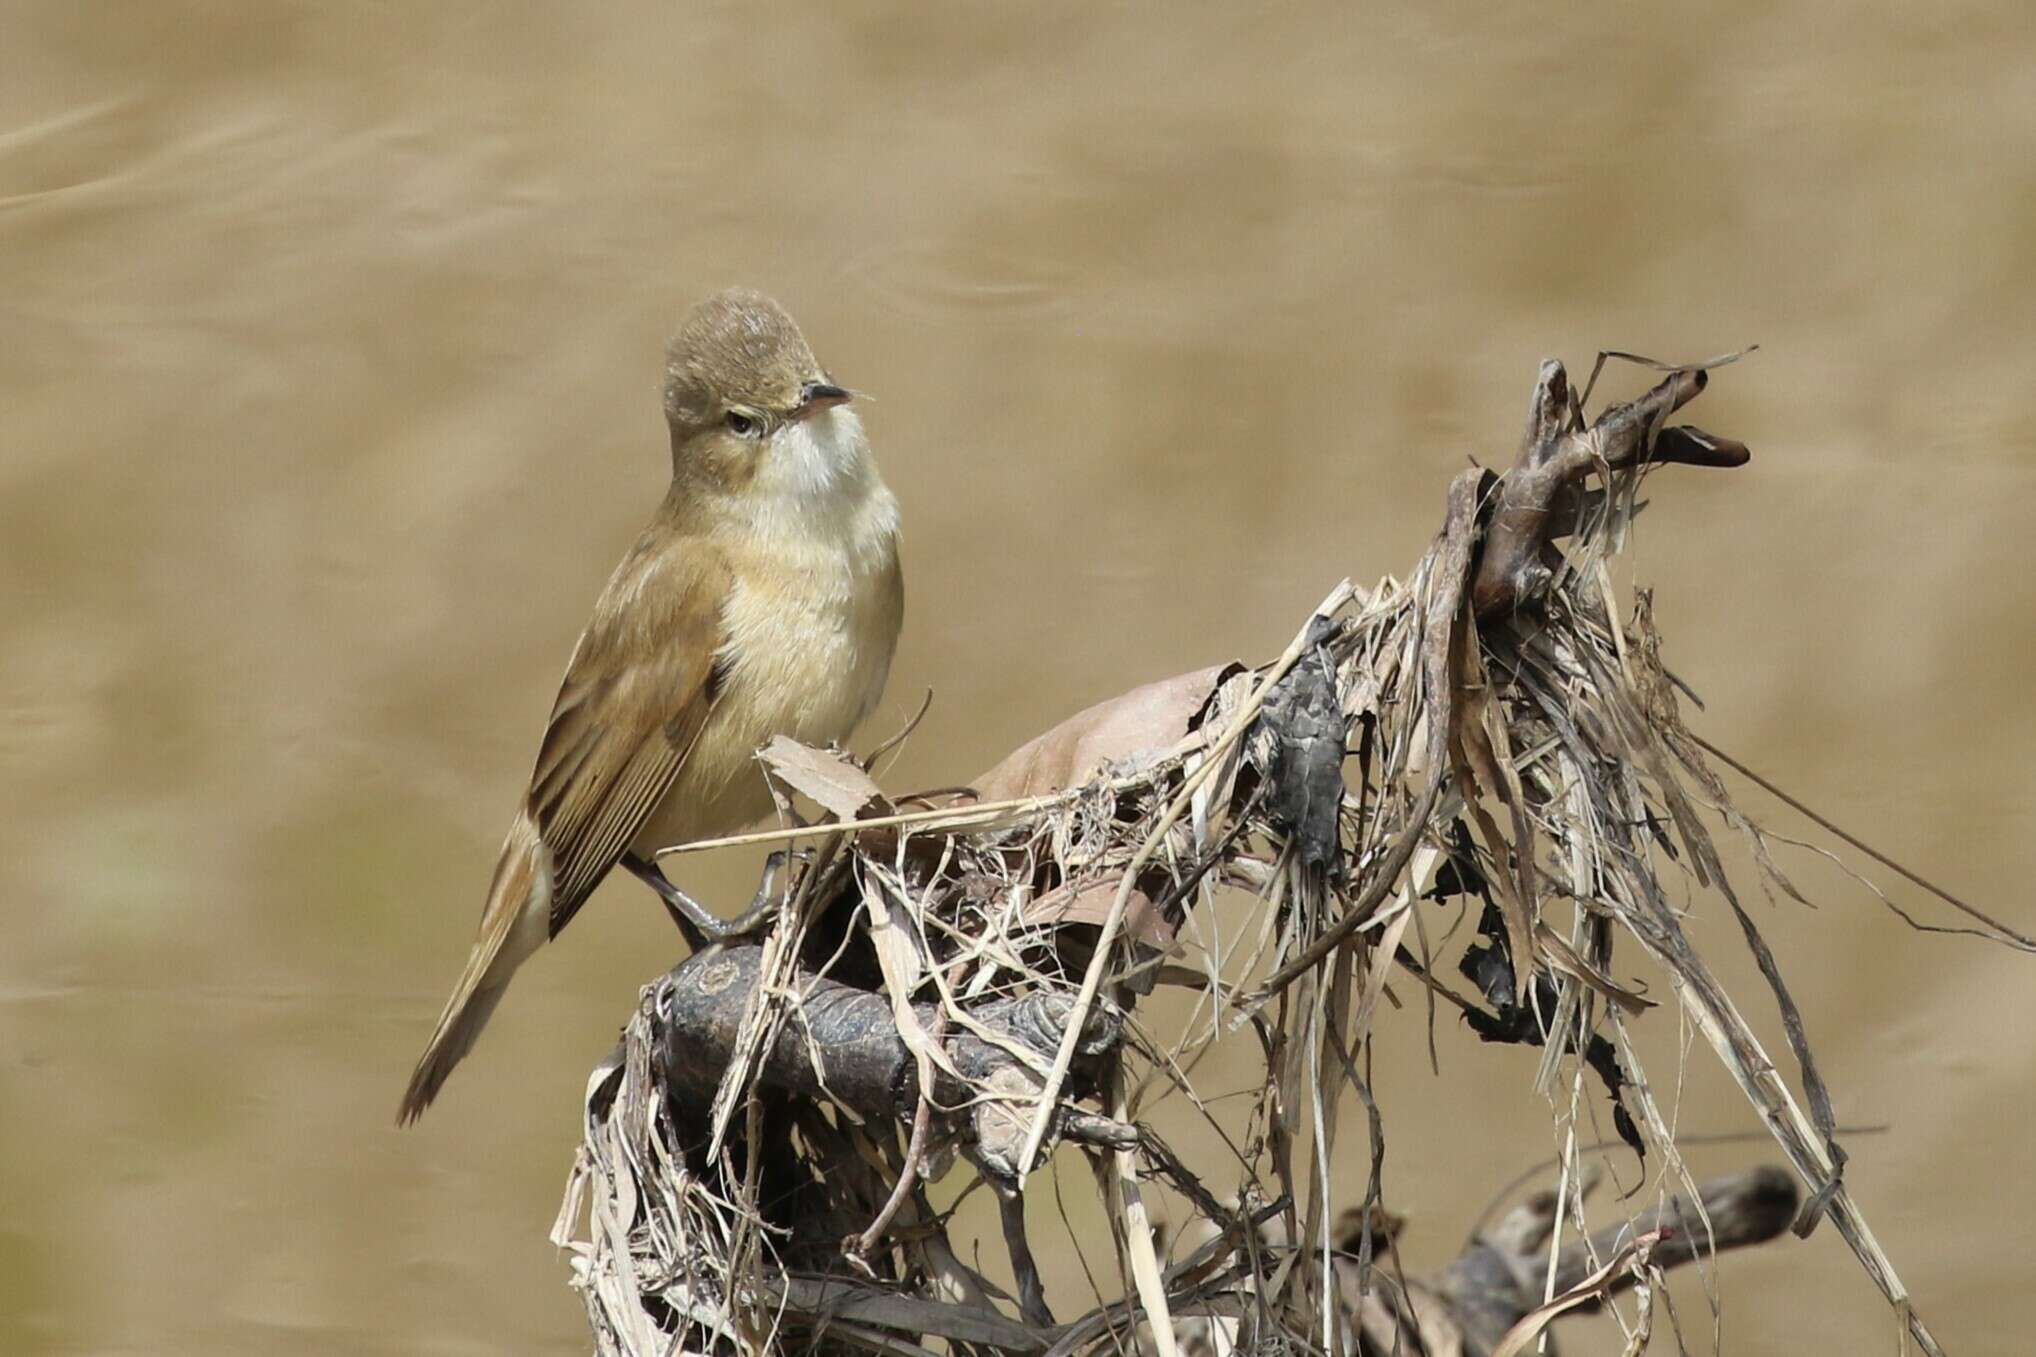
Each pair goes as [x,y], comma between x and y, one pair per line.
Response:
[692,918]
[700,926]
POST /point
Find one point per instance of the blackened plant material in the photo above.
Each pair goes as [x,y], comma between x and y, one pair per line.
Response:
[1459,873]
[1487,966]
[1601,1057]
[1305,719]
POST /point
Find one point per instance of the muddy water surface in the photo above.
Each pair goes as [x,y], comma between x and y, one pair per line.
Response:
[329,343]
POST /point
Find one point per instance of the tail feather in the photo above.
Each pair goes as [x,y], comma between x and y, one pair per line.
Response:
[513,925]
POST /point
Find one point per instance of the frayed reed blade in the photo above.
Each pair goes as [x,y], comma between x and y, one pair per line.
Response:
[960,985]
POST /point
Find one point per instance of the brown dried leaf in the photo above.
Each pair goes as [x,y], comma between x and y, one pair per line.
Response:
[1089,903]
[827,777]
[1149,720]
[1555,949]
[1595,1287]
[1184,977]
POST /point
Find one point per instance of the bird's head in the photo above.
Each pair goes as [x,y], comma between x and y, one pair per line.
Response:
[749,405]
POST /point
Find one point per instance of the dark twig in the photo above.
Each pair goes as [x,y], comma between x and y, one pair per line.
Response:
[915,1154]
[1539,494]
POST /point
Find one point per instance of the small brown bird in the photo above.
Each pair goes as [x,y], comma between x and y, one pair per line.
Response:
[763,599]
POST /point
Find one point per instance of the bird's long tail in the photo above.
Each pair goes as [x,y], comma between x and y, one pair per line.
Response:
[513,925]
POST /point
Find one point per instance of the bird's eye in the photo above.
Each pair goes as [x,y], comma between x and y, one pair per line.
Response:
[741,425]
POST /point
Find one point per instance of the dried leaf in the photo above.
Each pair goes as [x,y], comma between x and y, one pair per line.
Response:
[828,778]
[1148,721]
[1182,976]
[1089,903]
[1555,949]
[1594,1287]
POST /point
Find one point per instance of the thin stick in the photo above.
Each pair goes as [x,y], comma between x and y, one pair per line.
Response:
[957,817]
[915,1150]
[904,733]
[2019,940]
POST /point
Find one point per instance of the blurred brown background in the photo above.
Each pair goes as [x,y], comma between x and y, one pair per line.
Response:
[329,341]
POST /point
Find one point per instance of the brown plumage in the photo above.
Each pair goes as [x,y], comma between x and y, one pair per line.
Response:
[763,599]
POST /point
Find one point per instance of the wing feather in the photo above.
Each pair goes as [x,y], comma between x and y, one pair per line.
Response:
[635,696]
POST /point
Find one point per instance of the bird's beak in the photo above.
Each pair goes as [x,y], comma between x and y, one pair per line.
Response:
[817,396]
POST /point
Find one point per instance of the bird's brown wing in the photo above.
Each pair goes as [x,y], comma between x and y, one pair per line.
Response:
[635,697]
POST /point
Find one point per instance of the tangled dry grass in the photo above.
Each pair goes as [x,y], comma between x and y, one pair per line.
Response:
[955,979]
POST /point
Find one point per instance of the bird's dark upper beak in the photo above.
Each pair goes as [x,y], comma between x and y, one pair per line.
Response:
[820,396]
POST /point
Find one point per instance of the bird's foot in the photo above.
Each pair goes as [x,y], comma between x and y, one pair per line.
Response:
[762,905]
[701,927]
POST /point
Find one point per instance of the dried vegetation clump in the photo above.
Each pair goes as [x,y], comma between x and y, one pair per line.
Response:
[951,983]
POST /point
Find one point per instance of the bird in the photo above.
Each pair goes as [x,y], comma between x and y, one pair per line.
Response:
[764,599]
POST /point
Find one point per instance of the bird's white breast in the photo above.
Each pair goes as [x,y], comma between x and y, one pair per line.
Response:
[809,624]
